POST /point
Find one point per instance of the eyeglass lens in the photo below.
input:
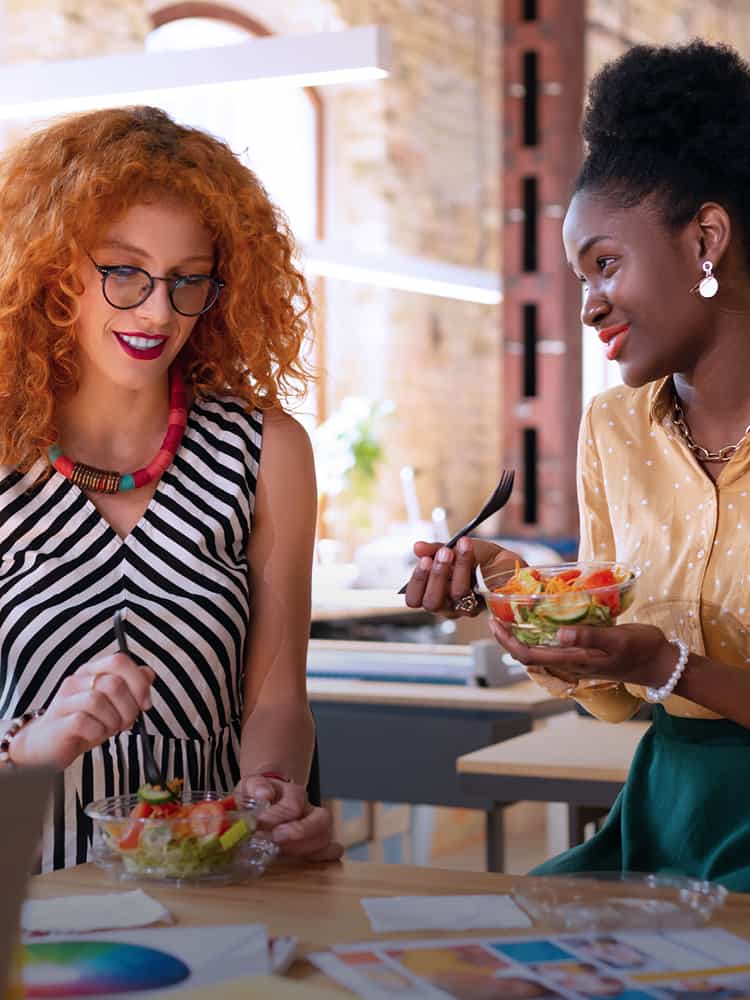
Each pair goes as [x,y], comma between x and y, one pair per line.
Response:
[127,287]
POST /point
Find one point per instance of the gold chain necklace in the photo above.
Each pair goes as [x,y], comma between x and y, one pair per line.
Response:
[702,454]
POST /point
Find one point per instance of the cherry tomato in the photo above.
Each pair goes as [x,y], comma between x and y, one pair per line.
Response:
[599,578]
[165,810]
[133,834]
[501,608]
[206,818]
[569,574]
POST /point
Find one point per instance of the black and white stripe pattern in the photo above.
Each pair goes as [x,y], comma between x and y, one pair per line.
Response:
[181,577]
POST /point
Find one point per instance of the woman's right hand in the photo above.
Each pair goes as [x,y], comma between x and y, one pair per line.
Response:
[99,700]
[443,576]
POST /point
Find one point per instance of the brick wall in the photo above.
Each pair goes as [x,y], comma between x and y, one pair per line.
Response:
[422,178]
[71,29]
[614,27]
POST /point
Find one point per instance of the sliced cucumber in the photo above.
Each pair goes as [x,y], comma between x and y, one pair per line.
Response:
[155,795]
[517,610]
[565,608]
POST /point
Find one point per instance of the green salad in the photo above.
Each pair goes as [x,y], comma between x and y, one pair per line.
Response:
[163,837]
[535,602]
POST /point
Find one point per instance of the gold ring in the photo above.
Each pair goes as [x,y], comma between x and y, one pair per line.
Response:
[94,679]
[467,605]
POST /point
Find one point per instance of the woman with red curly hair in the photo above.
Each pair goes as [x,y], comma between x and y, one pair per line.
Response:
[151,322]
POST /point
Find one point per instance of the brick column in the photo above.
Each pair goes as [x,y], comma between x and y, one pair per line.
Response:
[542,52]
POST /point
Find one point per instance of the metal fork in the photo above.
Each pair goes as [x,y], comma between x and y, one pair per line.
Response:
[499,498]
[150,767]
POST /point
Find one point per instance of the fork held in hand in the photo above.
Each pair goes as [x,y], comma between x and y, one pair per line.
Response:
[150,768]
[500,496]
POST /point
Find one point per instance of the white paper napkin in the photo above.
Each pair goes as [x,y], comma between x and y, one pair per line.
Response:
[443,913]
[94,912]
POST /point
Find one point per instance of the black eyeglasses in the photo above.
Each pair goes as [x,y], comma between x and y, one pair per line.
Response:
[126,287]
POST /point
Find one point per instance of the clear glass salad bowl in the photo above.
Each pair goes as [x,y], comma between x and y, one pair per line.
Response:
[203,836]
[535,601]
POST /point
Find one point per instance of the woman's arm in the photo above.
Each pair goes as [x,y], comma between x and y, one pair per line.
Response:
[278,730]
[720,687]
[639,655]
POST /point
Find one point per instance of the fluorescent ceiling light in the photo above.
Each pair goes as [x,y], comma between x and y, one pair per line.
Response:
[399,271]
[37,90]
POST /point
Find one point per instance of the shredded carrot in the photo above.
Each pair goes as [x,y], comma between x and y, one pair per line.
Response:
[558,584]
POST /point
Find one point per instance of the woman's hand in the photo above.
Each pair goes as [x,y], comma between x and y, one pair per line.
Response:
[301,829]
[633,654]
[443,576]
[100,699]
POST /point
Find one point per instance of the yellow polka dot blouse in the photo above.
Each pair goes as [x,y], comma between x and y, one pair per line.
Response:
[644,499]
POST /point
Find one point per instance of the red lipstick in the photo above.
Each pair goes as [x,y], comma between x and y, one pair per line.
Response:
[614,336]
[137,349]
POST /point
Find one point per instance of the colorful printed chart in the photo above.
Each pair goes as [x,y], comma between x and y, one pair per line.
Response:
[701,964]
[93,968]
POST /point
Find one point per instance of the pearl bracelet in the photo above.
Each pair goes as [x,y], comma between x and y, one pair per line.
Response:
[655,695]
[13,730]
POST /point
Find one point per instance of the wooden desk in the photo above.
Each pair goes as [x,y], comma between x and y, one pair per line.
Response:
[389,741]
[319,904]
[575,760]
[525,697]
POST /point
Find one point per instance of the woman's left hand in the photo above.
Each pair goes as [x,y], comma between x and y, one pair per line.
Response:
[633,654]
[301,829]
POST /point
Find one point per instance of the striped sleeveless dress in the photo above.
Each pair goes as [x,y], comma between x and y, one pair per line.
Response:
[181,578]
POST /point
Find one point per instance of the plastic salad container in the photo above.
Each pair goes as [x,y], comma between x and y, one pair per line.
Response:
[535,601]
[596,901]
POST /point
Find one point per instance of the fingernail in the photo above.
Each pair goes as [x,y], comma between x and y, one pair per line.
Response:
[566,636]
[280,834]
[464,546]
[147,704]
[444,555]
[425,563]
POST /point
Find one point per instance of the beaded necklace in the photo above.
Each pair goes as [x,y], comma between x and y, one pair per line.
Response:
[86,477]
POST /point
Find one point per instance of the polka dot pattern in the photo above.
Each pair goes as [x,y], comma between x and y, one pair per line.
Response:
[648,502]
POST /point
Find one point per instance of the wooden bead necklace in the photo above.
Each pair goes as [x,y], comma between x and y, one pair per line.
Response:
[86,477]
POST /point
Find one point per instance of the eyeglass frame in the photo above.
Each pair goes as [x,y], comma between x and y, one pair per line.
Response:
[105,270]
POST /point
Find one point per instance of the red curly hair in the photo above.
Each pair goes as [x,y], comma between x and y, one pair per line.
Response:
[59,189]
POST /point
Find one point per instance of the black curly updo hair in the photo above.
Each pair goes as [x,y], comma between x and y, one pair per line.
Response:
[672,122]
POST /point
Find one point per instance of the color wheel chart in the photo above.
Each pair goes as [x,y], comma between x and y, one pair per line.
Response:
[92,968]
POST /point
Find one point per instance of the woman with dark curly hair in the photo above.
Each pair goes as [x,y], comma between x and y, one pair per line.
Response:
[151,322]
[658,233]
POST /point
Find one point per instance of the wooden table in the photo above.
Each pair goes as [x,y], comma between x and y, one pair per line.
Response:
[319,904]
[388,741]
[576,760]
[525,698]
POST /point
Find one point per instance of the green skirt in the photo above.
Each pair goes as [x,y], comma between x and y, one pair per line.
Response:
[684,809]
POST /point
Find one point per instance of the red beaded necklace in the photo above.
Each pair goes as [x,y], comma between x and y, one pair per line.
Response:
[86,477]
